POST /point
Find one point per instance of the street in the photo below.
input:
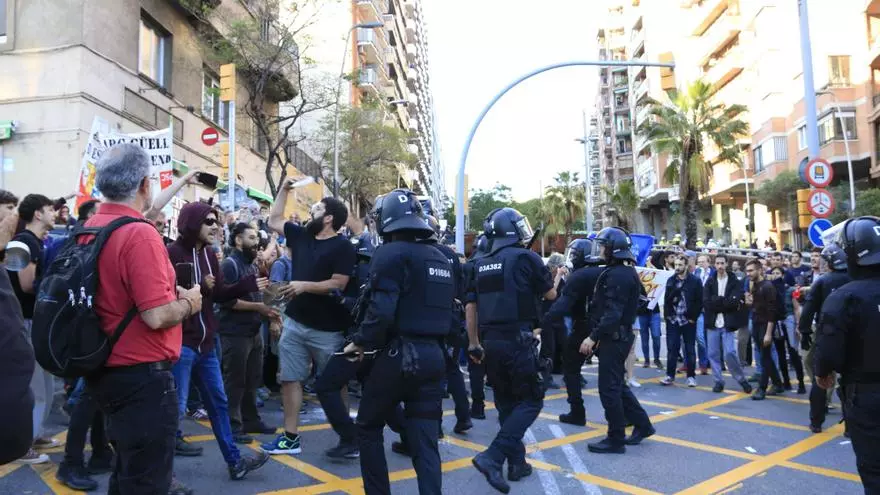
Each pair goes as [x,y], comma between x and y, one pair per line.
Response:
[705,443]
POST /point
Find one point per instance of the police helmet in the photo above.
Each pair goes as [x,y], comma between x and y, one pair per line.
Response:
[400,210]
[860,239]
[580,253]
[835,257]
[613,243]
[433,223]
[507,227]
[480,247]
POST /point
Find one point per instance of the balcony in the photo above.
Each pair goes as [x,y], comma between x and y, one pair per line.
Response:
[372,10]
[623,126]
[640,89]
[637,42]
[642,114]
[708,13]
[372,46]
[641,142]
[647,177]
[725,68]
[620,84]
[411,53]
[720,34]
[369,78]
[409,7]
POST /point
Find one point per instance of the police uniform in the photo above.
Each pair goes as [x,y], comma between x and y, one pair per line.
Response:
[407,318]
[817,295]
[476,370]
[612,314]
[508,285]
[574,302]
[455,342]
[848,341]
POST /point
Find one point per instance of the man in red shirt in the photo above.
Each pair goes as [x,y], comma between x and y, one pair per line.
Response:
[136,389]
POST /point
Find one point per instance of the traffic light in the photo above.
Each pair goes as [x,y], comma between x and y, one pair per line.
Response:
[804,217]
[227,82]
[667,76]
[224,155]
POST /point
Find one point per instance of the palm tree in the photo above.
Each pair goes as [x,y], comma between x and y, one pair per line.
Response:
[625,201]
[683,128]
[565,203]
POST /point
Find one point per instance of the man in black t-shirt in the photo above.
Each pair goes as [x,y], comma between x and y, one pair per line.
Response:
[314,320]
[37,213]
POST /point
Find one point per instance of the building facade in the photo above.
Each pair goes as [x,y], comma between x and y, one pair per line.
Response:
[136,64]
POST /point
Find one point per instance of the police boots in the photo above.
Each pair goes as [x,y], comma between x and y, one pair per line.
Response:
[577,416]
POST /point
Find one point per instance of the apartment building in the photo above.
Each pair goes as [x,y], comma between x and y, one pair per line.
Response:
[136,64]
[613,113]
[392,67]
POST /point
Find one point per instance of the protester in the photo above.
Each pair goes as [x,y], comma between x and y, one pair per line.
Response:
[682,306]
[781,340]
[761,298]
[197,225]
[723,303]
[36,217]
[314,321]
[702,272]
[241,338]
[136,389]
[16,355]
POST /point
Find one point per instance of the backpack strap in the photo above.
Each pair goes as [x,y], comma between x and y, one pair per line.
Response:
[117,334]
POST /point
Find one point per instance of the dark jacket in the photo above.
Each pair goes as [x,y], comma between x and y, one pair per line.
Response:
[732,305]
[233,322]
[16,368]
[765,308]
[199,329]
[692,291]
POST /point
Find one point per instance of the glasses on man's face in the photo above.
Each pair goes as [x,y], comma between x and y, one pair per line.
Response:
[210,222]
[160,225]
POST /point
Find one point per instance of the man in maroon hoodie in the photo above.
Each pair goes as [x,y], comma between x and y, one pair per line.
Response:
[198,226]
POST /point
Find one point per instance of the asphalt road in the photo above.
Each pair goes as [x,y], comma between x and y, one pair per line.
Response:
[705,443]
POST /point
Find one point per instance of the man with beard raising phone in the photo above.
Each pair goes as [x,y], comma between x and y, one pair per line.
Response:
[240,337]
[314,321]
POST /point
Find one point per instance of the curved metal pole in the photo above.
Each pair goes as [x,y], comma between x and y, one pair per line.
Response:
[459,188]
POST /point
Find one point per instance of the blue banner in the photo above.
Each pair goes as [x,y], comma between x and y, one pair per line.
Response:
[641,247]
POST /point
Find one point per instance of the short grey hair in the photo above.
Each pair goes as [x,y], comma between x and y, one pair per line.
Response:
[120,171]
[555,261]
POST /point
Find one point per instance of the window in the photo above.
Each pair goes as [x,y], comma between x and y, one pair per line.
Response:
[770,151]
[212,108]
[260,145]
[802,137]
[838,71]
[759,159]
[154,53]
[829,127]
[265,27]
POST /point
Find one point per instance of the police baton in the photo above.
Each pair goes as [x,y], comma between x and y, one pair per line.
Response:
[534,236]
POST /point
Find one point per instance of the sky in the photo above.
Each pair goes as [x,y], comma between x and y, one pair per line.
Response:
[476,48]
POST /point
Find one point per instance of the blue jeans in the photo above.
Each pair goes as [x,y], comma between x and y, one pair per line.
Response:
[204,369]
[702,355]
[649,324]
[76,395]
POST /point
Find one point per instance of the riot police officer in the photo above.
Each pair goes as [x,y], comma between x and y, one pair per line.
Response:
[407,318]
[476,370]
[822,287]
[574,302]
[612,313]
[848,342]
[507,286]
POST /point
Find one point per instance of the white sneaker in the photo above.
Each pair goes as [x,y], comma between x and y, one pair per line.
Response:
[666,381]
[692,382]
[32,457]
[633,383]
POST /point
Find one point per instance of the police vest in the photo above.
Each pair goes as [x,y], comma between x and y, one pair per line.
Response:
[425,306]
[862,311]
[500,297]
[627,289]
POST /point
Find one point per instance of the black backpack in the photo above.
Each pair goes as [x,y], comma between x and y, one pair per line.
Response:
[67,336]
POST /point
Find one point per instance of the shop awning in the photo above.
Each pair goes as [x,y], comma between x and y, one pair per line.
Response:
[259,195]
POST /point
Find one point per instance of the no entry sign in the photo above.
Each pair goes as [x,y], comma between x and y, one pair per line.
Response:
[210,136]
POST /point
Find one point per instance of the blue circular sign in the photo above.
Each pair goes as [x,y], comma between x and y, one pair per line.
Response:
[816,228]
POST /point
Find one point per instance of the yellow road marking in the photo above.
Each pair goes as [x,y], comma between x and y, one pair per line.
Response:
[705,448]
[731,489]
[47,474]
[831,473]
[304,467]
[596,480]
[758,466]
[9,468]
[748,419]
[646,402]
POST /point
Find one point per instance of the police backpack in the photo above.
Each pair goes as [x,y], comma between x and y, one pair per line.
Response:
[66,332]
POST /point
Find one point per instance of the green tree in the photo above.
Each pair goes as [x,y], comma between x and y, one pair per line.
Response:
[483,201]
[625,201]
[867,202]
[777,193]
[369,153]
[683,128]
[565,204]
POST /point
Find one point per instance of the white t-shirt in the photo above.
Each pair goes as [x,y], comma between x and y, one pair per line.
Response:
[722,284]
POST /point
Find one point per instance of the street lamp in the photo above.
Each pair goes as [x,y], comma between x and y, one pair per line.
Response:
[849,168]
[365,25]
[588,180]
